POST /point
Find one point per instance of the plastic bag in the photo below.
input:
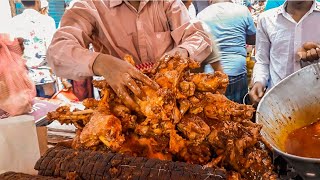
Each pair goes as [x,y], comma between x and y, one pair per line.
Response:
[16,89]
[19,144]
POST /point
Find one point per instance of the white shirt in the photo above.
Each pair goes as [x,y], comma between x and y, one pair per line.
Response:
[37,31]
[192,11]
[5,15]
[278,39]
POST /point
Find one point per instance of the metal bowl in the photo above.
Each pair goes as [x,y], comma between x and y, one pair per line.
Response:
[291,104]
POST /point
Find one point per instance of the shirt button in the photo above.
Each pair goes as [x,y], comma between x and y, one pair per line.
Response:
[139,24]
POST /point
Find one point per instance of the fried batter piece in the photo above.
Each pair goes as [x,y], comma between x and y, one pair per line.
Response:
[187,119]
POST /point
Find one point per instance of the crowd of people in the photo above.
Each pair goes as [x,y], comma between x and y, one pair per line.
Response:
[94,36]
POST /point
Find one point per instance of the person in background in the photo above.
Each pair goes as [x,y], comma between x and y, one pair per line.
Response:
[213,60]
[258,9]
[37,31]
[191,9]
[200,5]
[5,14]
[260,6]
[246,3]
[281,34]
[147,30]
[233,27]
[44,9]
[273,4]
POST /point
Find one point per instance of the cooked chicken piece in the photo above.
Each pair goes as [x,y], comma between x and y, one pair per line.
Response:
[216,82]
[177,143]
[184,105]
[146,147]
[195,154]
[63,114]
[234,176]
[128,120]
[255,164]
[220,108]
[154,127]
[158,104]
[105,128]
[194,128]
[76,144]
[186,119]
[186,89]
[240,135]
[197,105]
[90,103]
[169,71]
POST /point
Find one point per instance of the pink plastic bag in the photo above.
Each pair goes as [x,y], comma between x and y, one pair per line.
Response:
[16,89]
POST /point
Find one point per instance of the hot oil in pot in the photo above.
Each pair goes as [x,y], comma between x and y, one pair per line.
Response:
[305,141]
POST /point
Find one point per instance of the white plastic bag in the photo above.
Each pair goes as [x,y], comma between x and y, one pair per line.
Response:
[19,147]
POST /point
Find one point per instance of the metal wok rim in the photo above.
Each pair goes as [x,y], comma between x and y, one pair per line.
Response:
[308,159]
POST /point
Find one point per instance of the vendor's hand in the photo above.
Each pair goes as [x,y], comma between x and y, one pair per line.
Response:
[120,75]
[256,93]
[310,51]
[183,52]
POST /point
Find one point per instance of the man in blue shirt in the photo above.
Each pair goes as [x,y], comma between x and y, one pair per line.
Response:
[233,27]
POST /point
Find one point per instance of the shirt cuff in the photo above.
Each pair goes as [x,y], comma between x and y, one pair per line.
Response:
[87,66]
[198,54]
[261,80]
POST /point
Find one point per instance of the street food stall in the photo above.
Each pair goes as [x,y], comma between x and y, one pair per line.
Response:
[186,129]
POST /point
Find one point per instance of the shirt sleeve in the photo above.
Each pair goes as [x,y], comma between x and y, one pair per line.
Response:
[186,33]
[68,55]
[261,68]
[251,28]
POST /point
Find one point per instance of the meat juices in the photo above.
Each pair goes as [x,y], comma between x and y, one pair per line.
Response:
[305,141]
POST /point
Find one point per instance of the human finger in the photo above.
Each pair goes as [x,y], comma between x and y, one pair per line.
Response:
[132,85]
[309,56]
[143,78]
[260,92]
[318,52]
[314,54]
[126,99]
[310,45]
[253,94]
[302,54]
